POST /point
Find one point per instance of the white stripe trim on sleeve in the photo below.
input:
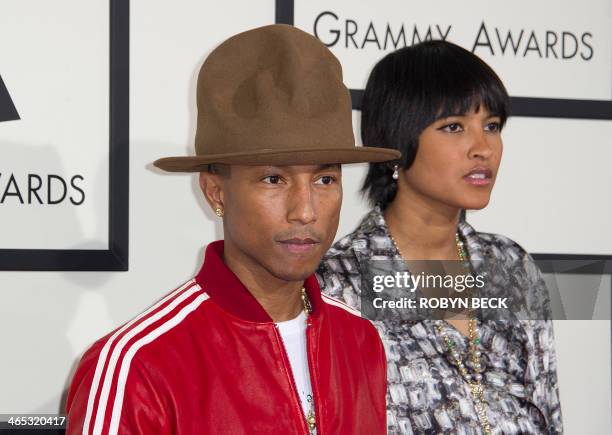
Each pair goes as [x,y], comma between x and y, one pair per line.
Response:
[129,355]
[112,363]
[104,353]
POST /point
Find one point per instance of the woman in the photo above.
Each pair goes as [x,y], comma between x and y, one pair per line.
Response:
[444,109]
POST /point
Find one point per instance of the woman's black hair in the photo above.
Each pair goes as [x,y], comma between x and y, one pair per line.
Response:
[411,88]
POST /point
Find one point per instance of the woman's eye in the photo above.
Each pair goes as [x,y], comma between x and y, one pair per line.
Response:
[452,128]
[272,179]
[326,179]
[493,127]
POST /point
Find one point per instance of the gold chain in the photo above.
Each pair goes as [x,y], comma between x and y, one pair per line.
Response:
[473,381]
[306,301]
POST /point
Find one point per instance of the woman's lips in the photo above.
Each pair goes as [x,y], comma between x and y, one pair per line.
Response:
[298,246]
[479,177]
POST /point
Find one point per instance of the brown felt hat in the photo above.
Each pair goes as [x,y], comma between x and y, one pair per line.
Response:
[273,96]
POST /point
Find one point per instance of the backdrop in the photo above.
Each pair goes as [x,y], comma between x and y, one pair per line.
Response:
[65,168]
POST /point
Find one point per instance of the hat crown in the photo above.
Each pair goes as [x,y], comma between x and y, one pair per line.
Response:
[273,96]
[274,87]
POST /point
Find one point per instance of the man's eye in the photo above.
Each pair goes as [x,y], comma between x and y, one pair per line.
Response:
[493,127]
[326,179]
[272,179]
[451,128]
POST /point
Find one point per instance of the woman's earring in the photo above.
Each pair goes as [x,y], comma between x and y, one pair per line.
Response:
[395,175]
[219,212]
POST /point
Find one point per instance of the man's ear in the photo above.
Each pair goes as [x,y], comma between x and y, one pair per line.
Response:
[212,188]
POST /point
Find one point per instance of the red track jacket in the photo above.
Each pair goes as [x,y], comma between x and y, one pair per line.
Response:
[207,359]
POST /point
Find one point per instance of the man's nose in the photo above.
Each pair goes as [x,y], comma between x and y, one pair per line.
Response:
[301,203]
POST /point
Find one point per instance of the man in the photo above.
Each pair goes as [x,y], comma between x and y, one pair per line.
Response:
[250,345]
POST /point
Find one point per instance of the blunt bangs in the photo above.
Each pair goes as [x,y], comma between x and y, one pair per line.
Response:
[413,87]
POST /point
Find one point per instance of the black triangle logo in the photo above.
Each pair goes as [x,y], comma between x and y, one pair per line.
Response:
[7,108]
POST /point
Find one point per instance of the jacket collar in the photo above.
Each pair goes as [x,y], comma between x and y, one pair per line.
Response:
[224,287]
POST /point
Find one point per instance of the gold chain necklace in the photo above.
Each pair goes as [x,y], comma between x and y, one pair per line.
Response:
[473,381]
[311,420]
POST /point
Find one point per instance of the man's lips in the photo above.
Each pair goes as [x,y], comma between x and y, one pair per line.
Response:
[479,176]
[298,245]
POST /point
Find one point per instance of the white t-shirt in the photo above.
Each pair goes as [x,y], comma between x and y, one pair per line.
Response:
[293,333]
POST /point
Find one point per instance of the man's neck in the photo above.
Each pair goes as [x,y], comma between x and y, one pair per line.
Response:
[280,299]
[422,228]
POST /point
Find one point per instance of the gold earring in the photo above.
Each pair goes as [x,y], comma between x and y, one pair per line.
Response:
[219,212]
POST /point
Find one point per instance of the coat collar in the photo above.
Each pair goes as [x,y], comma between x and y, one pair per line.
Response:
[224,287]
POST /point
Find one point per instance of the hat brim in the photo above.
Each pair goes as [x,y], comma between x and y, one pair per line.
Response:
[308,156]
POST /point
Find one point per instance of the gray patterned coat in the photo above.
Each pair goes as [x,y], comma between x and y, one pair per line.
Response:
[426,394]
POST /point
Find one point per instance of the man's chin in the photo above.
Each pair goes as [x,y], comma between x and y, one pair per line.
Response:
[293,274]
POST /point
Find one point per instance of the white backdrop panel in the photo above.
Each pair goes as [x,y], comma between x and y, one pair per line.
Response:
[54,60]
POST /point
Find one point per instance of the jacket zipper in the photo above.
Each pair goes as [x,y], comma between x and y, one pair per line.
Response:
[289,370]
[313,380]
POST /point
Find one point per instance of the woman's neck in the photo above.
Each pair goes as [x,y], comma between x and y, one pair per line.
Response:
[422,228]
